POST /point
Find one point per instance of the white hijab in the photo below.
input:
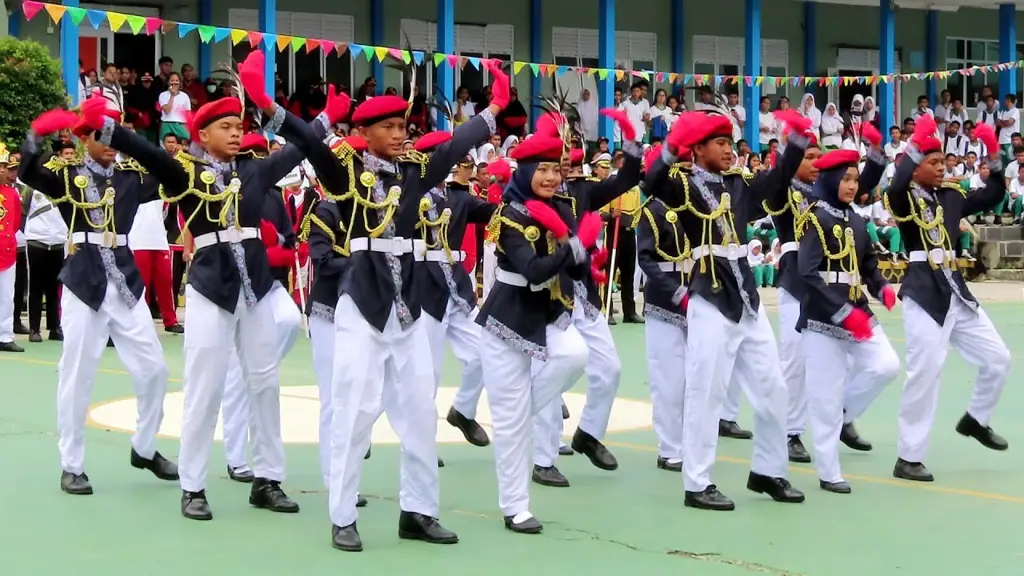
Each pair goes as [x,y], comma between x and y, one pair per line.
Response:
[869,112]
[813,113]
[510,142]
[754,259]
[831,121]
[483,153]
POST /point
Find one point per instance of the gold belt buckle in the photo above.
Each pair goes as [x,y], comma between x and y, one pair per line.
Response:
[109,239]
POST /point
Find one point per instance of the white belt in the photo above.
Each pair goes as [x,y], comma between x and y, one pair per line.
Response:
[105,239]
[395,246]
[788,247]
[513,279]
[226,236]
[840,278]
[685,266]
[936,256]
[731,251]
[442,256]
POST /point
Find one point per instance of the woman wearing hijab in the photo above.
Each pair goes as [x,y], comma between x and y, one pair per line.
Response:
[808,110]
[848,357]
[509,145]
[531,350]
[870,111]
[763,269]
[832,127]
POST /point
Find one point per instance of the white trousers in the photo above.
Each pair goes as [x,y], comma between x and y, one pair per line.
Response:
[463,333]
[7,304]
[972,335]
[235,405]
[516,392]
[212,334]
[85,338]
[388,371]
[725,350]
[321,334]
[843,374]
[666,368]
[490,268]
[603,371]
[733,395]
[791,355]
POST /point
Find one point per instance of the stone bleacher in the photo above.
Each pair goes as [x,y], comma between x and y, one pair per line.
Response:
[1000,252]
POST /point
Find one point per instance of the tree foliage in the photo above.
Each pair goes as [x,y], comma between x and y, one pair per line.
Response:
[30,84]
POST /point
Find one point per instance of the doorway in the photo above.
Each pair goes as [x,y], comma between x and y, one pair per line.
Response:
[842,95]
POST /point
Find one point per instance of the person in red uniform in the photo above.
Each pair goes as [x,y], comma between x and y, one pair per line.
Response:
[10,223]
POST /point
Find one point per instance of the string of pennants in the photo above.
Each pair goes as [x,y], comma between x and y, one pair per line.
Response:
[135,24]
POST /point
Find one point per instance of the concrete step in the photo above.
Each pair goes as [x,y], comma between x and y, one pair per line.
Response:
[1001,254]
[1005,275]
[999,233]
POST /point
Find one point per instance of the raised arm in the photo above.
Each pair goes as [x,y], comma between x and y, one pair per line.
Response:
[873,170]
[39,171]
[480,210]
[302,140]
[602,193]
[658,184]
[773,185]
[155,160]
[466,136]
[897,195]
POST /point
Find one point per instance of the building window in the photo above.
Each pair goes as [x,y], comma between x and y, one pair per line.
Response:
[579,47]
[724,56]
[964,53]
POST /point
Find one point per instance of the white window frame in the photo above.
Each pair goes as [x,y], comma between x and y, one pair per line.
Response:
[720,51]
[104,31]
[496,39]
[953,62]
[248,19]
[630,47]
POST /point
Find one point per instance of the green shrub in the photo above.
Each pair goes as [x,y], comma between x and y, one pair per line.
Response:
[30,84]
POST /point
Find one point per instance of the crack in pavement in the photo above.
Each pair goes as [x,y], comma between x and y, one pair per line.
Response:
[716,558]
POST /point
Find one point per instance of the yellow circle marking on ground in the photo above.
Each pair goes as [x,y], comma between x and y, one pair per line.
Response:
[300,416]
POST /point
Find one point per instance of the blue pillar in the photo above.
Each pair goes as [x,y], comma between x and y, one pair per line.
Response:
[752,57]
[678,38]
[886,50]
[606,60]
[931,53]
[446,45]
[810,40]
[14,23]
[377,39]
[205,49]
[536,38]
[267,14]
[69,53]
[1007,48]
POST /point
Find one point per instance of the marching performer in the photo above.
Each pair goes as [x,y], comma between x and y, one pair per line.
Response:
[849,359]
[604,369]
[10,225]
[98,198]
[531,350]
[725,309]
[501,172]
[445,289]
[378,342]
[938,309]
[223,197]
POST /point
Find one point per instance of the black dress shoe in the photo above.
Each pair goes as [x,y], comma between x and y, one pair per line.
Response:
[77,484]
[56,335]
[632,318]
[20,329]
[611,320]
[564,450]
[194,506]
[10,347]
[346,538]
[565,411]
[239,475]
[175,329]
[849,436]
[161,467]
[778,488]
[361,501]
[836,487]
[267,494]
[968,426]
[797,452]
[730,429]
[110,342]
[593,449]
[440,463]
[525,526]
[35,337]
[367,457]
[415,526]
[549,476]
[471,430]
[665,464]
[709,499]
[915,471]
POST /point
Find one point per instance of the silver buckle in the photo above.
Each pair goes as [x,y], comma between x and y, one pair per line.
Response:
[233,235]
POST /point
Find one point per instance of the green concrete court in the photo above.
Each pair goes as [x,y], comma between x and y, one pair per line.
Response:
[629,521]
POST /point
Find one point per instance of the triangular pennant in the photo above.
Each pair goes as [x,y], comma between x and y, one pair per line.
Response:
[116,20]
[206,33]
[438,58]
[355,50]
[269,41]
[184,29]
[602,73]
[381,53]
[136,23]
[395,53]
[237,36]
[535,69]
[96,17]
[417,57]
[153,25]
[312,45]
[56,12]
[341,48]
[369,52]
[327,47]
[452,59]
[406,56]
[253,37]
[168,26]
[517,66]
[221,34]
[283,42]
[77,15]
[31,8]
[619,75]
[474,62]
[297,43]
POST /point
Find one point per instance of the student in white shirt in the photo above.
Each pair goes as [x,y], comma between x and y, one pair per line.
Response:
[46,236]
[974,145]
[980,177]
[148,240]
[887,230]
[863,207]
[739,116]
[953,168]
[1008,122]
[922,108]
[769,128]
[954,142]
[832,127]
[174,106]
[638,110]
[942,110]
[987,112]
[1015,196]
[895,146]
[957,112]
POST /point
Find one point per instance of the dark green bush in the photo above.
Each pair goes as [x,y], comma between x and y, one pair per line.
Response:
[30,84]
